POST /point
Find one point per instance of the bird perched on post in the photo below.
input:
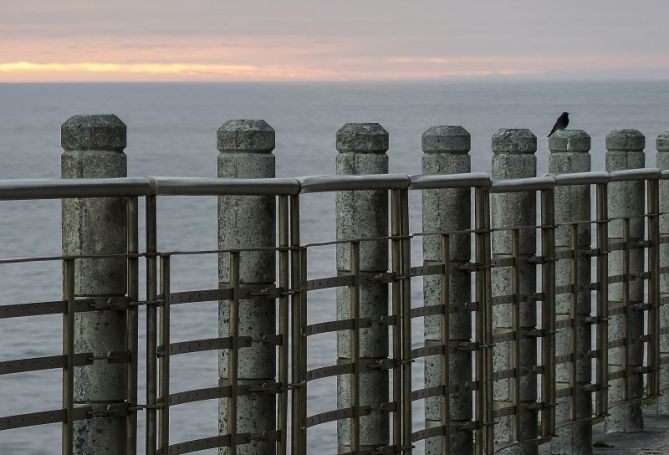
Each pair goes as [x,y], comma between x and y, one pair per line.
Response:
[561,123]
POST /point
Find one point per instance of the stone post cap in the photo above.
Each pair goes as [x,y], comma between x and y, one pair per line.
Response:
[444,138]
[246,136]
[519,141]
[625,141]
[93,132]
[362,138]
[569,141]
[663,142]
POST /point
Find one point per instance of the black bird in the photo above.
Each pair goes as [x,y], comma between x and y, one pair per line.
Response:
[561,123]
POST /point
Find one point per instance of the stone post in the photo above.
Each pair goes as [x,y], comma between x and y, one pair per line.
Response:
[446,151]
[626,199]
[362,150]
[513,157]
[93,148]
[663,163]
[245,148]
[569,154]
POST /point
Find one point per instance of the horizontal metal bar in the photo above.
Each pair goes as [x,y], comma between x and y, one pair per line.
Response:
[330,326]
[43,363]
[25,189]
[505,374]
[428,392]
[208,344]
[208,393]
[28,189]
[527,184]
[203,186]
[428,433]
[427,269]
[564,358]
[503,411]
[203,295]
[221,391]
[502,335]
[31,309]
[634,174]
[41,418]
[213,442]
[348,324]
[330,282]
[325,183]
[582,178]
[58,307]
[431,182]
[430,310]
[339,414]
[425,351]
[332,370]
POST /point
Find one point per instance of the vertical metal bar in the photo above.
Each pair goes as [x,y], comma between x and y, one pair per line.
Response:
[484,402]
[302,329]
[515,327]
[488,330]
[233,352]
[297,422]
[445,336]
[573,315]
[406,323]
[164,364]
[479,408]
[355,346]
[397,313]
[151,324]
[627,308]
[132,323]
[68,352]
[653,189]
[602,300]
[282,410]
[548,312]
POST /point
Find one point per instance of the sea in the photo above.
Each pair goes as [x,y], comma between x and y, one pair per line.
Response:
[172,132]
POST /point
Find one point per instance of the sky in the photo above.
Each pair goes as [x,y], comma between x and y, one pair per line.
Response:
[332,40]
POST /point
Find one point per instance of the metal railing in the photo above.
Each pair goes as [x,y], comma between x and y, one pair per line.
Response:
[291,290]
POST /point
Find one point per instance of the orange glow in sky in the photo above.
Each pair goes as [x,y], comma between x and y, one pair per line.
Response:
[295,40]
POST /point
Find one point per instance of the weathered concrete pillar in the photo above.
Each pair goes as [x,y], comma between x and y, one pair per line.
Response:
[362,150]
[569,153]
[245,148]
[446,151]
[626,199]
[663,163]
[513,157]
[93,148]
